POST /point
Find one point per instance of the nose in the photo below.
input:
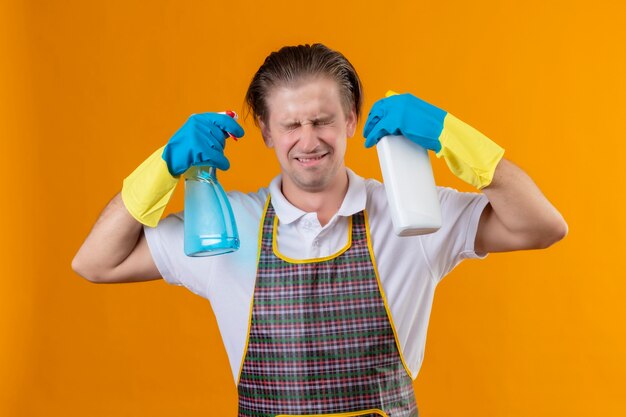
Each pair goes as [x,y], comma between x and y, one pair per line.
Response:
[308,140]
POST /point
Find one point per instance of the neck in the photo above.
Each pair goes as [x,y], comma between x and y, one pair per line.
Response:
[325,203]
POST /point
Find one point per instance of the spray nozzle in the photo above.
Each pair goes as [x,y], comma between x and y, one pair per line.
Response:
[234,116]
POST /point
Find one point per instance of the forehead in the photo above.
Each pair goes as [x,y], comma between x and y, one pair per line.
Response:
[307,99]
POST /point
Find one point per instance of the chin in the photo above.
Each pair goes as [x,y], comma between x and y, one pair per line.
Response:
[312,180]
[313,185]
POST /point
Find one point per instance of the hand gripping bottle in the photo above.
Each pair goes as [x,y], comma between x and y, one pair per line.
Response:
[210,227]
[410,186]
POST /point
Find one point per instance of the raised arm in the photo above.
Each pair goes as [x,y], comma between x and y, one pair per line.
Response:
[116,249]
[518,216]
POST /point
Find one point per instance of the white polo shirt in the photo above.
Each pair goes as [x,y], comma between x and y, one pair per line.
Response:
[409,267]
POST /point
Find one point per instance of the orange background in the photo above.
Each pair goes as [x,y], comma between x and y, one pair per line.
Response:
[88,90]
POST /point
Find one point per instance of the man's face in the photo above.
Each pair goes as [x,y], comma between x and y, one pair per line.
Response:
[308,129]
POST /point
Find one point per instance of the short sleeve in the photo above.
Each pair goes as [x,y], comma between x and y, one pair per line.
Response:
[166,243]
[454,241]
[164,240]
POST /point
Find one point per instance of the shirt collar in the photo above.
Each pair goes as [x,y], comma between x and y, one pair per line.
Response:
[353,202]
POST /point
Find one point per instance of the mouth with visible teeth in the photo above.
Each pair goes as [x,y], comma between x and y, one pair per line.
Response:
[310,159]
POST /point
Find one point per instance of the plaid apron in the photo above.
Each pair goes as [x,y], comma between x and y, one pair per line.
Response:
[320,341]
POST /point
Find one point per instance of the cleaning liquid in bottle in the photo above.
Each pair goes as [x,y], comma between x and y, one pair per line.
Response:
[410,186]
[209,226]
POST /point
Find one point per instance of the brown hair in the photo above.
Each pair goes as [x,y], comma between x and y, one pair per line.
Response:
[292,64]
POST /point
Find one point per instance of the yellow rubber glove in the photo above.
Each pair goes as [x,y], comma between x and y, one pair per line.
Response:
[148,189]
[469,154]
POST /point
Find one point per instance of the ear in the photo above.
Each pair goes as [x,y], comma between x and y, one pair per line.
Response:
[265,132]
[351,123]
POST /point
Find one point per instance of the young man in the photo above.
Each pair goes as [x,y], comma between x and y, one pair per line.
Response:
[323,310]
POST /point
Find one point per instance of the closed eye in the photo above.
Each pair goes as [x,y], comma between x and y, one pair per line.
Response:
[322,122]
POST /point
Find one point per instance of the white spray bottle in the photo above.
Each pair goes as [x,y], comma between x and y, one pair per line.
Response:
[410,185]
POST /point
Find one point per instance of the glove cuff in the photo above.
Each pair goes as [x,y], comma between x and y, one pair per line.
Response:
[148,189]
[470,155]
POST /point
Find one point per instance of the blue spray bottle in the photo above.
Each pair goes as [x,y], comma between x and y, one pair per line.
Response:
[210,227]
